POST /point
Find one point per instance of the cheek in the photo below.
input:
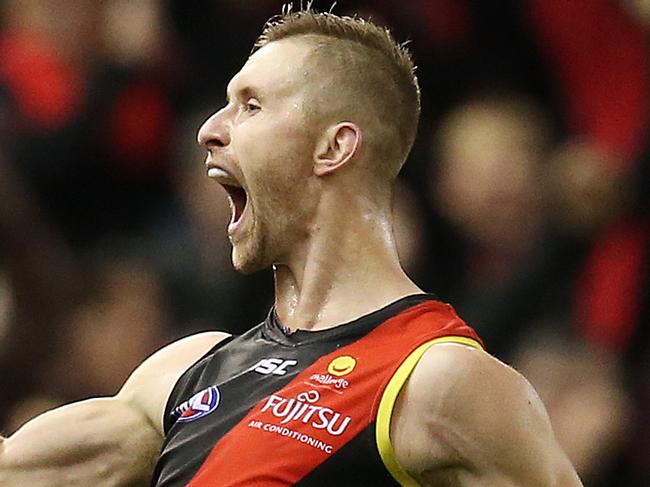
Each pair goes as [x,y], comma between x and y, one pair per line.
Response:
[274,154]
[292,147]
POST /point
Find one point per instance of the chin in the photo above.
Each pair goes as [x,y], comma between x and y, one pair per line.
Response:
[246,268]
[248,260]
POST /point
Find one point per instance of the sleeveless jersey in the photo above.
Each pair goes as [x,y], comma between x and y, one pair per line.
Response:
[270,408]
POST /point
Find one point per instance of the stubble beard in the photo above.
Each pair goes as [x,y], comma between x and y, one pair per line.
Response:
[270,242]
[249,254]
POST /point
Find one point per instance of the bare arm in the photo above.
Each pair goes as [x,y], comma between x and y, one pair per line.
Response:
[102,442]
[466,419]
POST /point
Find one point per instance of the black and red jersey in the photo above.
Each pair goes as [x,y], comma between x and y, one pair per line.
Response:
[271,408]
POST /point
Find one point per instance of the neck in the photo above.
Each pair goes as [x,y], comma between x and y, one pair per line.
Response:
[347,267]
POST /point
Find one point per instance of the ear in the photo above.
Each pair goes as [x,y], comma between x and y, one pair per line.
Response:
[338,145]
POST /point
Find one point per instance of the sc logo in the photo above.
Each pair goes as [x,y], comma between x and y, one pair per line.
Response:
[275,366]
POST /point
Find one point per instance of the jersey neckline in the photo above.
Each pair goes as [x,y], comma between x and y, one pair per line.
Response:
[274,330]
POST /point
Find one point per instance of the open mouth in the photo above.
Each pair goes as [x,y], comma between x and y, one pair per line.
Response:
[238,198]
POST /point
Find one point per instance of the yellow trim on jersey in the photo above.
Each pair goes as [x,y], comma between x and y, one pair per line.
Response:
[387,403]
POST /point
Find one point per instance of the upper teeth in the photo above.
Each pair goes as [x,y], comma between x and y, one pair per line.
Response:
[217,172]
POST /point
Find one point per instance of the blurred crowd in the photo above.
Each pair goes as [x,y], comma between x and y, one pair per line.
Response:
[524,202]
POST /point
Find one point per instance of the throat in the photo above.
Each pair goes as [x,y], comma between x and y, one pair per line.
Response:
[332,276]
[325,297]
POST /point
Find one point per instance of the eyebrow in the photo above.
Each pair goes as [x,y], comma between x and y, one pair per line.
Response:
[244,92]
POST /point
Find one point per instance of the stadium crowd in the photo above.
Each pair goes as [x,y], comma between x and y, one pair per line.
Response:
[524,202]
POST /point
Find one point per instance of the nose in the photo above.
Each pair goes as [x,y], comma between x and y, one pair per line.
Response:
[215,131]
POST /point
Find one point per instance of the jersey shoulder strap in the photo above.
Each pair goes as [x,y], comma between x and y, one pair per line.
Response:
[387,404]
[454,331]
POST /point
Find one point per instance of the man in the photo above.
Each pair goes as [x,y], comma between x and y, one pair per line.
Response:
[356,377]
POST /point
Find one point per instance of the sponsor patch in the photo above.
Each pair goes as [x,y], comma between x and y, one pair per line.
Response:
[302,418]
[342,365]
[327,380]
[200,404]
[275,366]
[304,408]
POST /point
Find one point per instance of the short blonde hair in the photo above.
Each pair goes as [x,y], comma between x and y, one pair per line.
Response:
[370,64]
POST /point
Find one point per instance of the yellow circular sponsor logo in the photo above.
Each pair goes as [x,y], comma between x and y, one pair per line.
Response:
[341,366]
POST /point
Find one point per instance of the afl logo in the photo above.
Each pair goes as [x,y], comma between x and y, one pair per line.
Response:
[341,366]
[200,404]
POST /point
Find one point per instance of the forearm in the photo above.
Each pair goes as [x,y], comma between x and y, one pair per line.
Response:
[100,442]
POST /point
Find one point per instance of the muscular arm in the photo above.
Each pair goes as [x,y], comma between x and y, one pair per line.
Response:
[102,442]
[466,419]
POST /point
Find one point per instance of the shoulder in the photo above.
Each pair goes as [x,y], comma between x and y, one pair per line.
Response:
[469,410]
[460,372]
[150,384]
[177,356]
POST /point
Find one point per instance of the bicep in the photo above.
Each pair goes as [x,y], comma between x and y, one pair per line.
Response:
[103,442]
[520,443]
[485,420]
[99,442]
